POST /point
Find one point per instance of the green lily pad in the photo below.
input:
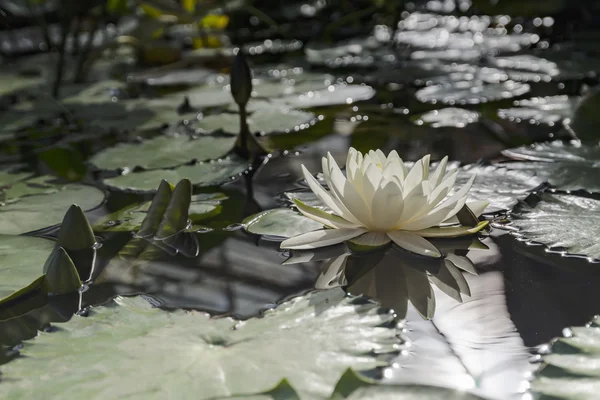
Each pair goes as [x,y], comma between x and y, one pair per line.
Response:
[541,110]
[162,152]
[447,117]
[334,94]
[501,187]
[471,92]
[263,120]
[39,211]
[280,223]
[209,358]
[32,186]
[564,166]
[561,221]
[209,173]
[570,370]
[22,259]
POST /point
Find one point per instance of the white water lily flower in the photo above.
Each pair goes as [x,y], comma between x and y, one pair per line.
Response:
[380,199]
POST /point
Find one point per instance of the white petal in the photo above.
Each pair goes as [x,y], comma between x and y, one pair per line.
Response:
[438,175]
[414,243]
[413,202]
[320,238]
[330,220]
[426,160]
[347,194]
[414,177]
[371,180]
[387,206]
[478,207]
[371,239]
[435,217]
[323,194]
[451,231]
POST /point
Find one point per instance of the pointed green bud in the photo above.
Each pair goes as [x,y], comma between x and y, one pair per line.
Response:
[61,275]
[157,209]
[175,218]
[241,79]
[75,232]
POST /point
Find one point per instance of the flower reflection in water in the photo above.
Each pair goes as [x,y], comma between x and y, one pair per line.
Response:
[395,277]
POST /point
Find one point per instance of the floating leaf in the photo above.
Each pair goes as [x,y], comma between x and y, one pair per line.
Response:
[162,152]
[564,166]
[501,187]
[541,110]
[570,370]
[448,117]
[471,92]
[561,221]
[264,121]
[60,273]
[280,223]
[214,357]
[22,260]
[212,173]
[335,94]
[39,211]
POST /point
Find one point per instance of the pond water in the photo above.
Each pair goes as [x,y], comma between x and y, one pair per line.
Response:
[508,98]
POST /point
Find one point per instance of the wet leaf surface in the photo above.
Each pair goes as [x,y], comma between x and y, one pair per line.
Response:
[338,330]
[570,370]
[564,166]
[561,221]
[22,261]
[39,211]
[162,152]
[209,173]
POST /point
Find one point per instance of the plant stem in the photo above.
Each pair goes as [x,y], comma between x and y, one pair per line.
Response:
[80,74]
[65,29]
[244,130]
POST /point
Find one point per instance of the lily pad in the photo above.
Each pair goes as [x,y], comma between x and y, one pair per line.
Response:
[500,186]
[541,110]
[471,92]
[335,94]
[280,223]
[209,173]
[564,166]
[162,152]
[561,221]
[22,260]
[39,211]
[448,117]
[264,121]
[570,370]
[210,358]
